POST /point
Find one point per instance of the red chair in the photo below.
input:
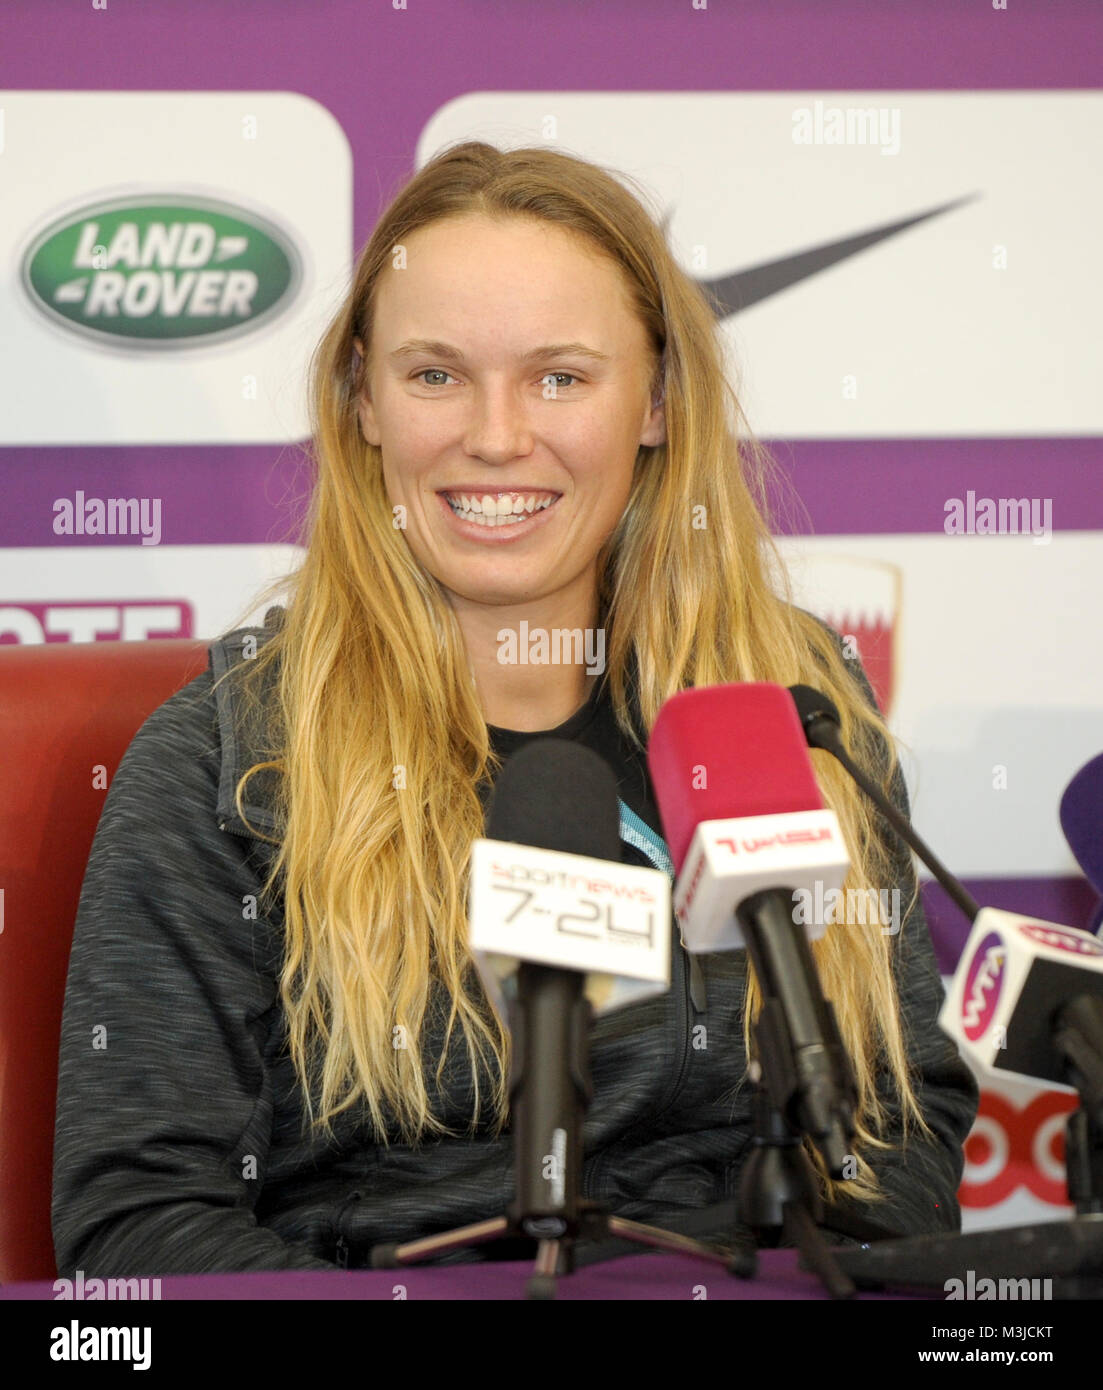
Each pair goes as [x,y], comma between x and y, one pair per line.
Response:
[66,709]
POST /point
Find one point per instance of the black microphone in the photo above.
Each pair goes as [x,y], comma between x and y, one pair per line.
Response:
[554,795]
[1082,821]
[819,717]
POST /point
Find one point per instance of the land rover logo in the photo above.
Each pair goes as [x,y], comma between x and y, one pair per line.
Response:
[161,271]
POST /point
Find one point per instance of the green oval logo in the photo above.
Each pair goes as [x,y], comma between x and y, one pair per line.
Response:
[162,271]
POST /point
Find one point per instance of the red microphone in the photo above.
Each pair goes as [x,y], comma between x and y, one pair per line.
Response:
[748,831]
[741,808]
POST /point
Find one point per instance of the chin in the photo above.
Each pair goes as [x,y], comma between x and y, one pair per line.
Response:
[494,596]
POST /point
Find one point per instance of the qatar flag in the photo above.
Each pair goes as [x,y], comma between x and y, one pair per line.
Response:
[861,600]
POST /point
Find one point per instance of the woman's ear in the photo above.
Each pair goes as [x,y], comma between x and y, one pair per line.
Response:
[654,430]
[654,425]
[369,426]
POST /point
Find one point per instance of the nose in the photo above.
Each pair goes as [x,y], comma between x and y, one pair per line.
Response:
[498,428]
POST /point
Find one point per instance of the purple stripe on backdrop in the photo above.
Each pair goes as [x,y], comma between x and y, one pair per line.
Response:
[225,495]
[1068,901]
[210,495]
[390,68]
[901,486]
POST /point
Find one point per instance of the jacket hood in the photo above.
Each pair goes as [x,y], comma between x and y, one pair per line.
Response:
[242,733]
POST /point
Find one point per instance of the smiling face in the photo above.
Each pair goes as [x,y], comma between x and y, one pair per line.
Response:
[508,371]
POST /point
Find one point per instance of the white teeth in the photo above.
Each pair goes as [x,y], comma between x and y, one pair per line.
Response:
[488,510]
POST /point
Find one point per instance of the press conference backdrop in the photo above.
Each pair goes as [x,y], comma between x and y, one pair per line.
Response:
[899,232]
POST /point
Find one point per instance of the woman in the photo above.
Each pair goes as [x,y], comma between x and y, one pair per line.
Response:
[299,1059]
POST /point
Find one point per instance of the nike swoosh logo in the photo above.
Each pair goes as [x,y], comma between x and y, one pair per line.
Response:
[734,293]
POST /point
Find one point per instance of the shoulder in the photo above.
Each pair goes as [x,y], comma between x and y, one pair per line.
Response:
[193,739]
[233,649]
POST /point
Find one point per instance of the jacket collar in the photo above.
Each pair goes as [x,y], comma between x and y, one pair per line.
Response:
[242,736]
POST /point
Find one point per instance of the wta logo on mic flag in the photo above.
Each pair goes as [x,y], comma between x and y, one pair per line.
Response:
[982,986]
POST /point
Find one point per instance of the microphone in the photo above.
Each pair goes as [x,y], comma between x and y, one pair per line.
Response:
[1026,1001]
[1026,998]
[1019,988]
[1082,822]
[820,720]
[748,831]
[740,806]
[558,915]
[547,884]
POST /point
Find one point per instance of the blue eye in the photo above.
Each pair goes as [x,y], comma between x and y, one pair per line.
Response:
[439,371]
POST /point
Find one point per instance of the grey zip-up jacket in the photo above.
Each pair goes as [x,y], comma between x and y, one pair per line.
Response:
[180,1146]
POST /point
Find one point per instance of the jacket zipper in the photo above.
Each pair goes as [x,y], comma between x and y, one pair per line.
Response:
[230,829]
[682,965]
[341,1245]
[682,960]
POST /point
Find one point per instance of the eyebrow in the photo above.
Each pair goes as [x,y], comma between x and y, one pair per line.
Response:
[416,346]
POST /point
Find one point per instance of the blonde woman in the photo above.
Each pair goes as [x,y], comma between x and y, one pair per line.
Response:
[520,416]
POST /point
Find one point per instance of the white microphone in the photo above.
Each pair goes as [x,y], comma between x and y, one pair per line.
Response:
[1014,981]
[532,898]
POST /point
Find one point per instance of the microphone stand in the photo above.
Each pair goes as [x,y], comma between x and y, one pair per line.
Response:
[1079,1038]
[821,730]
[550,1092]
[1070,1253]
[804,1084]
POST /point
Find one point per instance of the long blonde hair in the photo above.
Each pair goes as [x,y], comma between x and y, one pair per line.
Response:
[375,722]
